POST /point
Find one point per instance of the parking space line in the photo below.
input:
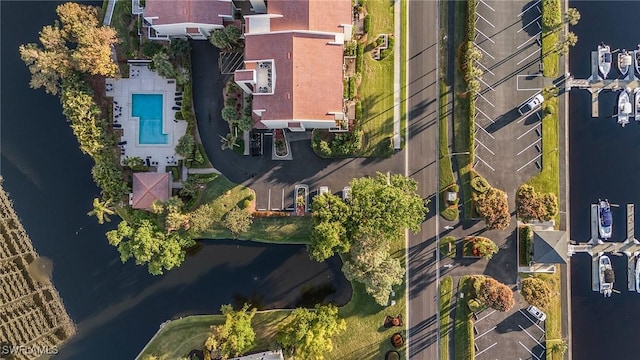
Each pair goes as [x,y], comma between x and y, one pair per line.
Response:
[487,5]
[485,115]
[526,348]
[485,131]
[269,202]
[282,199]
[485,68]
[485,99]
[527,148]
[523,166]
[488,347]
[484,82]
[526,117]
[534,339]
[526,132]
[485,146]
[529,8]
[484,333]
[483,34]
[536,52]
[482,17]
[529,39]
[481,49]
[531,22]
[484,162]
[527,316]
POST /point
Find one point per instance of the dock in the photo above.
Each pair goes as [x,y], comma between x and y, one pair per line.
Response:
[595,247]
[595,83]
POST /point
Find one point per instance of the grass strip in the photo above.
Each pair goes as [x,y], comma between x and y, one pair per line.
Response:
[463,325]
[446,292]
[552,19]
[403,70]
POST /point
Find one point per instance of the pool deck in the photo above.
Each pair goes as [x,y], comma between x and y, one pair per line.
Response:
[141,80]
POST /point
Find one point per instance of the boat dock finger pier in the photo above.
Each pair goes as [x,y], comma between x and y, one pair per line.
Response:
[596,247]
[595,84]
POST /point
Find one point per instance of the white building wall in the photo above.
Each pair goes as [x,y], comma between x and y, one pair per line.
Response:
[308,124]
[181,28]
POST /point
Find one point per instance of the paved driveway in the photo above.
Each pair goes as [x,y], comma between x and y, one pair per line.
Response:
[261,173]
[508,35]
[514,334]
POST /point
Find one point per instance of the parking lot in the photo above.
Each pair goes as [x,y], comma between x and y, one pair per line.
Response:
[278,198]
[508,37]
[514,334]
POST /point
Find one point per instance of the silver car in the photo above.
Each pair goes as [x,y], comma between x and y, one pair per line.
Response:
[531,104]
[537,313]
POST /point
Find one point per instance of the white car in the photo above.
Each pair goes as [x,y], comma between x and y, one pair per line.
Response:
[323,190]
[531,104]
[537,313]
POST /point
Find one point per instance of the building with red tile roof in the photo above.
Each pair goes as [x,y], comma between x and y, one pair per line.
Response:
[193,19]
[149,187]
[294,63]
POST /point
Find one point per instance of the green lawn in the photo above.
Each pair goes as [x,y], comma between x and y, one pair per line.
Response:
[550,38]
[181,336]
[448,246]
[446,292]
[376,88]
[548,179]
[461,128]
[463,325]
[553,324]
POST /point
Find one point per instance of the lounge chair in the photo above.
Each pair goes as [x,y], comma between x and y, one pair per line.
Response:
[176,108]
[117,126]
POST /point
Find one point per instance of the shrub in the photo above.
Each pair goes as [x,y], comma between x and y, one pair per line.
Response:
[150,48]
[483,247]
[480,184]
[324,148]
[185,146]
[530,205]
[525,233]
[229,114]
[350,48]
[551,14]
[251,197]
[450,213]
[496,295]
[345,88]
[360,58]
[471,19]
[454,188]
[245,204]
[448,246]
[475,305]
[389,50]
[352,88]
[198,157]
[358,110]
[367,23]
[231,101]
[536,292]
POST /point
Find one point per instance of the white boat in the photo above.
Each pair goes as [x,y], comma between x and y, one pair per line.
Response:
[605,220]
[624,62]
[607,277]
[604,59]
[636,59]
[624,107]
[638,274]
[636,102]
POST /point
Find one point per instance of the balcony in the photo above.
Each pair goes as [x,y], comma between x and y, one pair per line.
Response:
[264,77]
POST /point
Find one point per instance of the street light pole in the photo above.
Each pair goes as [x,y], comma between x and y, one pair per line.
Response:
[460,153]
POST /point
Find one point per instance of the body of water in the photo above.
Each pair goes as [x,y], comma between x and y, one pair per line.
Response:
[118,307]
[604,163]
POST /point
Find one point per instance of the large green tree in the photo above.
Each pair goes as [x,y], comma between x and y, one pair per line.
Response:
[170,215]
[385,205]
[536,291]
[496,295]
[163,66]
[226,38]
[78,42]
[147,243]
[370,263]
[328,234]
[185,146]
[238,221]
[306,334]
[235,336]
[492,206]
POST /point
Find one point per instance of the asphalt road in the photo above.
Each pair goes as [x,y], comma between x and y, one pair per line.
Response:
[422,166]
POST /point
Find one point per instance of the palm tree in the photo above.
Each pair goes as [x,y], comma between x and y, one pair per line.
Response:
[229,141]
[101,210]
[572,16]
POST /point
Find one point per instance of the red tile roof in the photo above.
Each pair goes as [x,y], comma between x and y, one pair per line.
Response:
[149,187]
[308,75]
[315,15]
[187,11]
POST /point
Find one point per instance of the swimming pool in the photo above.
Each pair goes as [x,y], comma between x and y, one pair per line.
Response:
[148,108]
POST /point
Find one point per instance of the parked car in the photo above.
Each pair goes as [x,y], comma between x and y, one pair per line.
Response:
[531,104]
[346,193]
[323,190]
[537,313]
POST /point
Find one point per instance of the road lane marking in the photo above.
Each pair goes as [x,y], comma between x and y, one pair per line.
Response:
[488,347]
[485,68]
[485,99]
[534,339]
[529,8]
[483,34]
[484,82]
[487,5]
[531,22]
[532,160]
[484,51]
[482,17]
[528,147]
[485,146]
[486,332]
[536,52]
[526,348]
[485,115]
[484,162]
[526,132]
[485,131]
